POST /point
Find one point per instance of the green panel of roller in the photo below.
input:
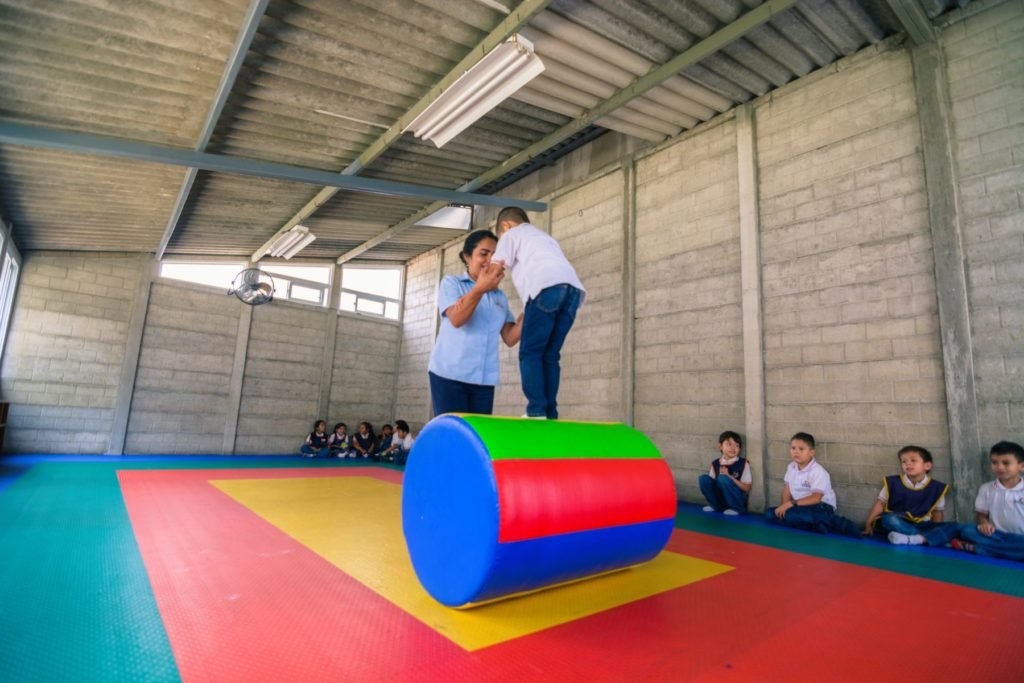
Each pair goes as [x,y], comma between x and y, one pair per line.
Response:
[508,438]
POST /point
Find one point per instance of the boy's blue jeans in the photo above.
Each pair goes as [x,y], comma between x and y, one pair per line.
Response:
[999,544]
[820,517]
[722,493]
[546,323]
[935,533]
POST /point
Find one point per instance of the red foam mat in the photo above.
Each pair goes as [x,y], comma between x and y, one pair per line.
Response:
[242,601]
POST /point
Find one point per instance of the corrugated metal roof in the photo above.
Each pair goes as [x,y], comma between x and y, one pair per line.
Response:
[322,80]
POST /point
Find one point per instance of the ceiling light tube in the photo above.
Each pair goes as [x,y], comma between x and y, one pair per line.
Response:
[492,80]
[299,246]
[285,241]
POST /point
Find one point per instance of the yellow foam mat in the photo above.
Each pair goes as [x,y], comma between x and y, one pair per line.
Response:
[355,523]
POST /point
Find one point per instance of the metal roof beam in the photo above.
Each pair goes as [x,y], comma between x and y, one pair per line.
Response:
[83,143]
[716,41]
[512,23]
[256,10]
[914,20]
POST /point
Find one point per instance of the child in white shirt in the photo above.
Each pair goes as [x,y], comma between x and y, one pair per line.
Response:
[401,444]
[1000,507]
[551,293]
[808,501]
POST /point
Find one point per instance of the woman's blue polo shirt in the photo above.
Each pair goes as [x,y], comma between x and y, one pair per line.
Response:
[469,353]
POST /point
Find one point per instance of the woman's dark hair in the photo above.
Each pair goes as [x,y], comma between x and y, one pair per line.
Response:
[341,424]
[472,240]
[403,425]
[318,423]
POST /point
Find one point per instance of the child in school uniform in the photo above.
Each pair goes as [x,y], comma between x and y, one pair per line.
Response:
[339,442]
[316,443]
[363,441]
[551,293]
[727,484]
[910,505]
[808,500]
[401,443]
[383,442]
[999,507]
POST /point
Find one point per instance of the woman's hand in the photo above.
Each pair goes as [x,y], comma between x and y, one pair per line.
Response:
[490,277]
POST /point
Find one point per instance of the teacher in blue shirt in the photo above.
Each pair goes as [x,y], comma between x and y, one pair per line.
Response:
[463,366]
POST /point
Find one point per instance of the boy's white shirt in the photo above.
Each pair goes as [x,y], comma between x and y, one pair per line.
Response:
[723,461]
[405,443]
[1004,507]
[812,479]
[883,495]
[536,261]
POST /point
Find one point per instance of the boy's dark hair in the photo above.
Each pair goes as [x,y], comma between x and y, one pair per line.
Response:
[474,238]
[805,437]
[1008,448]
[403,425]
[925,454]
[340,424]
[727,435]
[512,214]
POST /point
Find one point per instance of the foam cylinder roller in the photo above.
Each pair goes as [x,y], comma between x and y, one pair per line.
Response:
[495,506]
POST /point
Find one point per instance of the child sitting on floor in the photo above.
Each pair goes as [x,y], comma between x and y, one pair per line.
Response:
[1000,508]
[727,493]
[910,505]
[363,442]
[316,443]
[401,443]
[339,442]
[808,501]
[383,443]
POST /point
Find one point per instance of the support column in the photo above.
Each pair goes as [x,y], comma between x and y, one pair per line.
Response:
[130,363]
[398,349]
[627,358]
[237,378]
[330,340]
[941,183]
[750,280]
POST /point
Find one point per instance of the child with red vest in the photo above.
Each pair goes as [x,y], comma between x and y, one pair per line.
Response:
[910,504]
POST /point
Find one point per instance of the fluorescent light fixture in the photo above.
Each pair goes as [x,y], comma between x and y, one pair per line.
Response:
[299,246]
[291,242]
[488,83]
[453,217]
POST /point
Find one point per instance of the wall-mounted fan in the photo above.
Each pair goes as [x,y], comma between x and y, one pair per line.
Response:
[253,286]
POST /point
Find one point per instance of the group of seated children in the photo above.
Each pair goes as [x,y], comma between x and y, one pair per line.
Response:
[393,445]
[909,508]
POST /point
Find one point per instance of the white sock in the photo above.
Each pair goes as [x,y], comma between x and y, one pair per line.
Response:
[897,538]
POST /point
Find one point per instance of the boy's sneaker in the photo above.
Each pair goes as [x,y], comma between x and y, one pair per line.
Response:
[897,538]
[535,417]
[731,512]
[708,508]
[964,546]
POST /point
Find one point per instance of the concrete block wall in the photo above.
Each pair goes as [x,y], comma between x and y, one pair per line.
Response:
[281,389]
[689,332]
[65,349]
[412,400]
[985,62]
[852,351]
[183,380]
[362,384]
